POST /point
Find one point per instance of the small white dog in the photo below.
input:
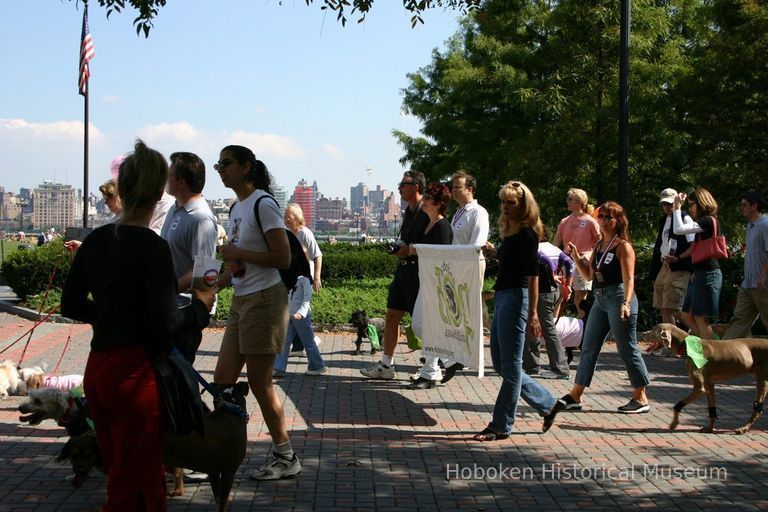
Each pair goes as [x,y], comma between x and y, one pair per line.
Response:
[10,383]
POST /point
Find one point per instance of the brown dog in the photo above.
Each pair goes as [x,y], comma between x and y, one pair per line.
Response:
[726,360]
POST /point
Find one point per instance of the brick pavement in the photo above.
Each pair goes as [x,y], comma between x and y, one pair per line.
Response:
[372,445]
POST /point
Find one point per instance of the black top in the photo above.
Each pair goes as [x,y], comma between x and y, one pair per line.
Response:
[128,272]
[707,227]
[518,259]
[415,222]
[440,234]
[609,268]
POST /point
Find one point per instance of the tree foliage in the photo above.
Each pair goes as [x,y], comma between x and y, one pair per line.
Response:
[149,9]
[528,89]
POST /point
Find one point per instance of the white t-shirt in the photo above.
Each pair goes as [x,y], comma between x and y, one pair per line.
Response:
[244,233]
[307,240]
[570,330]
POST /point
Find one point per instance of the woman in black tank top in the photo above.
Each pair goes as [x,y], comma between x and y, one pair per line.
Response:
[611,268]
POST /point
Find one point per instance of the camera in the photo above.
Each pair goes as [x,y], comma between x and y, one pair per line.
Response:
[393,247]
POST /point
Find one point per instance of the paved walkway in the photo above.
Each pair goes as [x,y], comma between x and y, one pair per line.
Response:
[372,445]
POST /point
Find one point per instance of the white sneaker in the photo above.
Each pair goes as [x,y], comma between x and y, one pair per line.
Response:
[319,371]
[277,469]
[318,341]
[379,371]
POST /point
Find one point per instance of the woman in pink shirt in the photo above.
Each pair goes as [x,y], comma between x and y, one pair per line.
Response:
[580,229]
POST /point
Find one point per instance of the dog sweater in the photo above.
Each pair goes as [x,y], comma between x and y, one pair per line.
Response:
[373,335]
[63,383]
[694,350]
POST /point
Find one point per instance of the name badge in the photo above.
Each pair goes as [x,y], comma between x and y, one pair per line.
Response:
[175,222]
[583,224]
[608,258]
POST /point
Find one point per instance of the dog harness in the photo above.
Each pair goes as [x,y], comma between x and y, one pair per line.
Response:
[695,351]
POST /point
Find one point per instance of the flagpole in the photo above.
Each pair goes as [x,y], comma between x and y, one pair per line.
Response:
[85,161]
[85,55]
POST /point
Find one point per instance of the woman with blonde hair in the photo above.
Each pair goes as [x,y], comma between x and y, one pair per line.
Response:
[612,269]
[581,229]
[516,300]
[702,299]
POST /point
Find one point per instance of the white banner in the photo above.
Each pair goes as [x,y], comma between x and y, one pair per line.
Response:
[449,310]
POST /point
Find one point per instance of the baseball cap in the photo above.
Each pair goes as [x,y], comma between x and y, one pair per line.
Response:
[667,196]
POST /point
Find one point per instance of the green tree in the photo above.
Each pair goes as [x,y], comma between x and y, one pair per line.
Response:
[528,90]
[149,9]
[724,101]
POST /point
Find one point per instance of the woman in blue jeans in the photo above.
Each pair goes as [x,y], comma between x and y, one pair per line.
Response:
[516,297]
[611,269]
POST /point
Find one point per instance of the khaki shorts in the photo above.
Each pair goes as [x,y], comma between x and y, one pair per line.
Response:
[669,288]
[258,322]
[579,283]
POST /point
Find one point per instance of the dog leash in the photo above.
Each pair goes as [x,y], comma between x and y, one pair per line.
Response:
[218,402]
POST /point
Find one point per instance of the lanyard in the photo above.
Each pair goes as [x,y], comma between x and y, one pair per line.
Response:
[458,214]
[600,263]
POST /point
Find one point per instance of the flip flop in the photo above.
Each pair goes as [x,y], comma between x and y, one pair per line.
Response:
[489,435]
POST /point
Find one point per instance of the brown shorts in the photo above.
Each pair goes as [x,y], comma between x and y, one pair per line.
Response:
[669,288]
[258,322]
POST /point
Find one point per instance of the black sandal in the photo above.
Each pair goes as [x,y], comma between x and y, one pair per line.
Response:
[489,435]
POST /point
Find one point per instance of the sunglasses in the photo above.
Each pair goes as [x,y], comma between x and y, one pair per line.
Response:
[404,183]
[223,164]
[606,218]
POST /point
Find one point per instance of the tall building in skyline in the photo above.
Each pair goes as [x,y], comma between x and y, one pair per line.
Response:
[358,197]
[281,196]
[305,195]
[56,205]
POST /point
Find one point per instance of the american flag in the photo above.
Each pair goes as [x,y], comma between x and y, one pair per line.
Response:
[86,54]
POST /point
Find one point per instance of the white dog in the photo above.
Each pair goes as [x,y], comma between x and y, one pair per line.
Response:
[10,383]
[47,404]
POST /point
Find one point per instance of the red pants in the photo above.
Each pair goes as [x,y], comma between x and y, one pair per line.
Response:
[121,389]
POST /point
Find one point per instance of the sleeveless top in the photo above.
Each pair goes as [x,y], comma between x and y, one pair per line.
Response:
[607,268]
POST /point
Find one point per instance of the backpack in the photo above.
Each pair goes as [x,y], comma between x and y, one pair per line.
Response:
[299,264]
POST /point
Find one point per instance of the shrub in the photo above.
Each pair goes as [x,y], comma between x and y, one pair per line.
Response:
[344,261]
[29,272]
[334,305]
[39,301]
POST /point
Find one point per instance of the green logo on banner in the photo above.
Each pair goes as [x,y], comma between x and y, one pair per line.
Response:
[453,301]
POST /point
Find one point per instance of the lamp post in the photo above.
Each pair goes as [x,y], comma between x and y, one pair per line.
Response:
[623,164]
[22,203]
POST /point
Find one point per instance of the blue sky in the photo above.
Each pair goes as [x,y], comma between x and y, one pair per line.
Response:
[313,99]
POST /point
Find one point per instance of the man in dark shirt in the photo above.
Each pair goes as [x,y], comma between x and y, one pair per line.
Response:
[405,286]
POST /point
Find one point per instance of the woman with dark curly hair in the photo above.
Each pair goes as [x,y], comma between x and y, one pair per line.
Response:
[611,268]
[437,232]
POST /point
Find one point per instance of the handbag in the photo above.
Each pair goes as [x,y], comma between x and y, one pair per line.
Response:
[179,392]
[711,248]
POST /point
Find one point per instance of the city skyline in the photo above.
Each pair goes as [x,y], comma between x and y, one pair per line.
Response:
[313,99]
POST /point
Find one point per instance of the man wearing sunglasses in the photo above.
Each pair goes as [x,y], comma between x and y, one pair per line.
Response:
[405,286]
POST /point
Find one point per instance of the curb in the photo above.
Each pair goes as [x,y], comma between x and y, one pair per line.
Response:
[31,314]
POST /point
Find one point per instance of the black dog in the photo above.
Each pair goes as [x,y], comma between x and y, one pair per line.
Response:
[360,320]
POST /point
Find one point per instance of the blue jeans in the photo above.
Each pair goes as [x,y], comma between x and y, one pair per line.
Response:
[605,316]
[302,328]
[296,340]
[510,315]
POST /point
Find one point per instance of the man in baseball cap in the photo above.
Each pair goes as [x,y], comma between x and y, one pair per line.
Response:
[671,262]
